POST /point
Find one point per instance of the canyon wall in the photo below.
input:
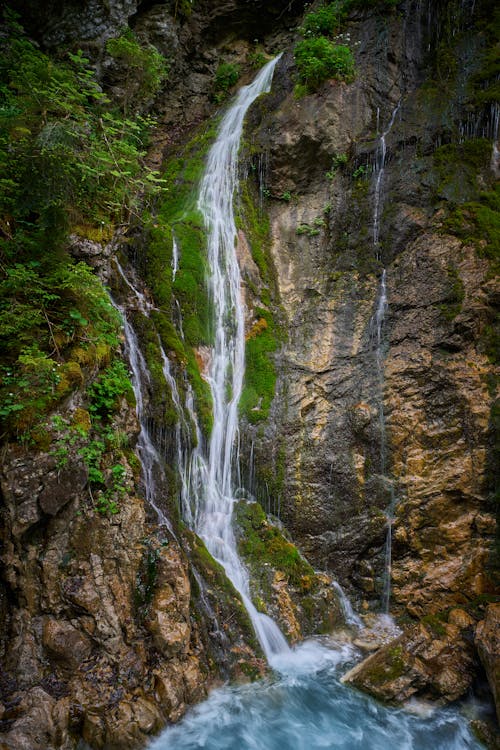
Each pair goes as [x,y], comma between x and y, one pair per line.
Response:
[112,625]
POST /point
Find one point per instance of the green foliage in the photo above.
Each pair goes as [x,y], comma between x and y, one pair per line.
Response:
[99,446]
[360,172]
[63,153]
[226,76]
[107,390]
[177,216]
[257,60]
[318,59]
[66,160]
[326,20]
[28,388]
[143,69]
[338,162]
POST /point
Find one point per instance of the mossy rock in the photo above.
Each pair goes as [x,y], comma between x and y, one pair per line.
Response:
[81,420]
[224,598]
[283,583]
[70,377]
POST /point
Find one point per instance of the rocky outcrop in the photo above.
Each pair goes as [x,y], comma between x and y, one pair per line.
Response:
[432,660]
[109,630]
[106,635]
[488,645]
[282,583]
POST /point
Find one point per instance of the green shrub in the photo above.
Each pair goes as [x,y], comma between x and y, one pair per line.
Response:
[144,68]
[226,76]
[318,59]
[326,20]
[106,391]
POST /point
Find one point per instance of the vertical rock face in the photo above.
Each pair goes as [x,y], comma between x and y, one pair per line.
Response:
[488,644]
[356,438]
[106,634]
[109,630]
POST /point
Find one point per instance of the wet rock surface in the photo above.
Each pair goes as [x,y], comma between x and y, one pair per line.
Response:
[103,634]
[421,663]
[361,425]
[487,639]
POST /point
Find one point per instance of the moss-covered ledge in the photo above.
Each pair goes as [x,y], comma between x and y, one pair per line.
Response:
[283,583]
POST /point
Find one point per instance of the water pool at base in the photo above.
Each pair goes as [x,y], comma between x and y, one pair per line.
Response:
[304,706]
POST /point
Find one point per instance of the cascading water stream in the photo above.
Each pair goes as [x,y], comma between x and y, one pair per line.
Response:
[150,459]
[304,704]
[213,521]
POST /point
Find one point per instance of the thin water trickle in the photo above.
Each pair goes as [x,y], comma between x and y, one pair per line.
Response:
[175,257]
[350,615]
[152,465]
[377,324]
[380,157]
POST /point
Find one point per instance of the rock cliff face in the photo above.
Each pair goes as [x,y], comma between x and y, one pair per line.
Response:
[112,625]
[107,633]
[363,424]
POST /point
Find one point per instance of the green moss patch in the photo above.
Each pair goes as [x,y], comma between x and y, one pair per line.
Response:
[228,601]
[177,217]
[260,369]
[283,583]
[261,543]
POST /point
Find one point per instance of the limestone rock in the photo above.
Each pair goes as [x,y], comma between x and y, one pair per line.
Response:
[487,639]
[417,663]
[66,643]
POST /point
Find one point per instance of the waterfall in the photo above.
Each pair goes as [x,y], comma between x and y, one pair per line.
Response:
[350,615]
[213,518]
[151,462]
[377,323]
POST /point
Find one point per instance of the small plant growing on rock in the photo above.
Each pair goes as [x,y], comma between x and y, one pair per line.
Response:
[360,172]
[319,59]
[144,67]
[226,76]
[326,20]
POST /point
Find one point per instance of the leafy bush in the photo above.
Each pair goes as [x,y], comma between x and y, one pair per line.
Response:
[318,59]
[326,20]
[142,67]
[66,161]
[63,153]
[226,76]
[109,387]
